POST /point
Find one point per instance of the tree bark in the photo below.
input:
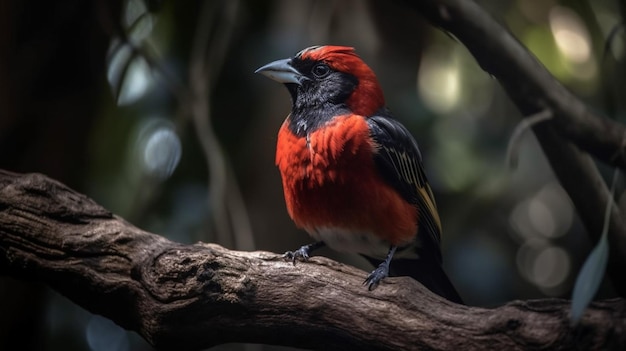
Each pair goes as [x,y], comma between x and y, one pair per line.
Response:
[195,296]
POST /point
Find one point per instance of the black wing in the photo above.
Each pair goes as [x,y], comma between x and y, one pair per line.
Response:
[400,163]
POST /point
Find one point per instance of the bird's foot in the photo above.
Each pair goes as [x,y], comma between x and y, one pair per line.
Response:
[301,254]
[377,275]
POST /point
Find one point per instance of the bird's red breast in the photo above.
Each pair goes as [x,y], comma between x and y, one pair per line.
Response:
[353,175]
[330,181]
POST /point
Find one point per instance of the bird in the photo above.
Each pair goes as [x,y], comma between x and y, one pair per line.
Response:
[352,174]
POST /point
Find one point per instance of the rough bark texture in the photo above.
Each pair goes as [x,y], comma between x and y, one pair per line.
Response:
[194,296]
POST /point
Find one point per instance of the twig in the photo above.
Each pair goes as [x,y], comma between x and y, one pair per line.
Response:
[227,207]
[523,126]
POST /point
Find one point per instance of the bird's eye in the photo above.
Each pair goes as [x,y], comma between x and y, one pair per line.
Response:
[320,70]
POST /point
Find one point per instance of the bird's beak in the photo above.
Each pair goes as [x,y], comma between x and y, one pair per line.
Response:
[281,71]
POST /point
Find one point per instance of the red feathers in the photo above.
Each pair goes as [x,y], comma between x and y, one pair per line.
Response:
[330,181]
[352,175]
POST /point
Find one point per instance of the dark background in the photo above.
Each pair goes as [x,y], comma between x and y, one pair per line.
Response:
[102,95]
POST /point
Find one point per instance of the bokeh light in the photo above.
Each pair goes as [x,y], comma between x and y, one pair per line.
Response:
[551,267]
[138,21]
[573,42]
[129,75]
[507,234]
[104,335]
[439,80]
[570,34]
[536,223]
[158,148]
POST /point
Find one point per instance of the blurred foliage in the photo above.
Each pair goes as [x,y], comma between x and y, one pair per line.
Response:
[126,136]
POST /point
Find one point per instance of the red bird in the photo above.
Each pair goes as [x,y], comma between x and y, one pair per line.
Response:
[352,175]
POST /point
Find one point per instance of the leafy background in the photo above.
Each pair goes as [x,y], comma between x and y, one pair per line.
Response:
[152,109]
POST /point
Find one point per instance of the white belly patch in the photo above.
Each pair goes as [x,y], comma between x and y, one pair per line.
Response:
[343,240]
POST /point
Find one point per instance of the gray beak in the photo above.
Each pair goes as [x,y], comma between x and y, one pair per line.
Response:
[281,71]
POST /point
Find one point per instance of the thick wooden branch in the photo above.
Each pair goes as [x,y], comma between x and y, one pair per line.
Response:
[194,296]
[573,128]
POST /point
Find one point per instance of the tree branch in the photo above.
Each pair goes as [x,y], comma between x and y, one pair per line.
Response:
[573,127]
[195,296]
[529,84]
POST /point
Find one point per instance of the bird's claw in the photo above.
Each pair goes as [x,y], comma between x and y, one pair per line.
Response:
[301,254]
[377,275]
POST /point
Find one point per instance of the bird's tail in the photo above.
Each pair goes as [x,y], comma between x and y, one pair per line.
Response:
[428,272]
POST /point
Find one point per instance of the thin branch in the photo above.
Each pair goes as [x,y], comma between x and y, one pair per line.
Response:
[196,296]
[573,127]
[144,50]
[229,212]
[173,82]
[201,116]
[207,57]
[610,39]
[525,124]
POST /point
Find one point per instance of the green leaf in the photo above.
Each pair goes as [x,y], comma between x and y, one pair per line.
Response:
[590,276]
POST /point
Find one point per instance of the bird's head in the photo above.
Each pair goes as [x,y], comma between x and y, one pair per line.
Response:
[323,76]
